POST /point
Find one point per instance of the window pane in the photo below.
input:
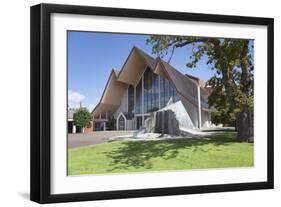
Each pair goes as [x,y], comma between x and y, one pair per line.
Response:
[162,91]
[166,91]
[155,92]
[145,92]
[138,97]
[131,99]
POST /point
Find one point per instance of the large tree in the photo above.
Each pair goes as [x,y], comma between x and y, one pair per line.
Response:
[231,99]
[82,117]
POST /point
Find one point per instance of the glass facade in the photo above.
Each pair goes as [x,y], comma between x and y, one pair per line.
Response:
[131,98]
[138,98]
[151,88]
[168,92]
[151,92]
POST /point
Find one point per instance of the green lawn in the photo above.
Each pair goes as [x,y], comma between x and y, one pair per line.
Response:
[218,151]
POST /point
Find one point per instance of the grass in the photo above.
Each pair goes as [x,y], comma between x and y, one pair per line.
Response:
[217,151]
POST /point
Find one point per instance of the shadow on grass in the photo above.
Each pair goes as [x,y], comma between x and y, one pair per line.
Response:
[219,130]
[137,154]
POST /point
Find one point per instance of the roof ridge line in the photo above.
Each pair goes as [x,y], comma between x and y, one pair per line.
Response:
[186,75]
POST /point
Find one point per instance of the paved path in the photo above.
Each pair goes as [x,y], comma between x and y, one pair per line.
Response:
[79,140]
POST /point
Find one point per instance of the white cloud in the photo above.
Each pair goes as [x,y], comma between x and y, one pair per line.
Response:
[75,98]
[92,106]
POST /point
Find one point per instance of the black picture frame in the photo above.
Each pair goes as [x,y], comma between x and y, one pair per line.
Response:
[41,96]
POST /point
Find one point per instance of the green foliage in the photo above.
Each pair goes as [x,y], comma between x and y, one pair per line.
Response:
[222,116]
[82,117]
[232,63]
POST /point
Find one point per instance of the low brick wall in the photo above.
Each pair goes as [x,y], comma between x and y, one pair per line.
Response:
[88,130]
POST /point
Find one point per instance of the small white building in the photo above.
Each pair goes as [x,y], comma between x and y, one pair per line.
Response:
[71,128]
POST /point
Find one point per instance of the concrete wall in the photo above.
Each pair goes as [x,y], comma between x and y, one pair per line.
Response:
[206,119]
[193,114]
[181,114]
[123,106]
[129,125]
[191,109]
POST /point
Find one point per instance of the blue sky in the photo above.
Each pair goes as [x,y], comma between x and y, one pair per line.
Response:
[92,55]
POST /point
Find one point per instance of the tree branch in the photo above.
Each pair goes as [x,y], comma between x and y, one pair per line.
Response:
[173,49]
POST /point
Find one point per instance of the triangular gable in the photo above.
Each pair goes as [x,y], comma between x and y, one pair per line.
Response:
[118,81]
[151,62]
[112,95]
[134,66]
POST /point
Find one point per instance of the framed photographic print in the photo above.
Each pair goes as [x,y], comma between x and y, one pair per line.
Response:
[132,103]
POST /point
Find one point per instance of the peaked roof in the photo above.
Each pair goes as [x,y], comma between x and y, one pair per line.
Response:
[149,60]
[120,80]
[116,72]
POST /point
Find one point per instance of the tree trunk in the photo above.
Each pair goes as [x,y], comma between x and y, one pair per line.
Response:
[245,126]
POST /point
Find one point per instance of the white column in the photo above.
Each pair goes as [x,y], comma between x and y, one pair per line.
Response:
[125,123]
[199,107]
[142,99]
[104,126]
[128,99]
[159,96]
[73,129]
[135,98]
